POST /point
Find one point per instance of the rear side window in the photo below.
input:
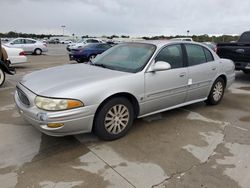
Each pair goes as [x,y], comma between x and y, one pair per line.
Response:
[195,54]
[171,54]
[209,55]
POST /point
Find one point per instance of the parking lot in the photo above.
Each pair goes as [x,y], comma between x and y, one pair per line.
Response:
[194,146]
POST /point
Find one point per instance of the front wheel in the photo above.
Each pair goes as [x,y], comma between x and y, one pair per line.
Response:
[114,119]
[217,92]
[2,77]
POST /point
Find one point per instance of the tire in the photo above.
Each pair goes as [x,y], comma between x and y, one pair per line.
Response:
[79,61]
[2,77]
[246,71]
[38,51]
[91,57]
[217,92]
[114,119]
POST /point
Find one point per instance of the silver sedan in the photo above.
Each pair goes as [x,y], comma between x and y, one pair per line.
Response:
[128,81]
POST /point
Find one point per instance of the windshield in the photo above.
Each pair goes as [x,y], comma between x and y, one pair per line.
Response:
[126,57]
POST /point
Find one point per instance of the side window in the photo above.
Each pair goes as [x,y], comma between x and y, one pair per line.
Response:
[195,54]
[209,55]
[27,41]
[18,41]
[171,54]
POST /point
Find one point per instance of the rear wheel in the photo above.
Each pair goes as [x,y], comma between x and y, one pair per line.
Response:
[38,51]
[2,77]
[217,92]
[114,119]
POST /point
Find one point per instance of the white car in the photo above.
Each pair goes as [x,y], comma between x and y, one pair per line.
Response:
[66,42]
[15,55]
[30,46]
[82,43]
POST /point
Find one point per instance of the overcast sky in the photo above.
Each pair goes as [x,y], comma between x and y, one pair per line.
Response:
[125,17]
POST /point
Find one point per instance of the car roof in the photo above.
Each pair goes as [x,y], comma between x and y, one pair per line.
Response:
[160,43]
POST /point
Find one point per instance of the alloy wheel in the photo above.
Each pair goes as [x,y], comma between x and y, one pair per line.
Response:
[218,91]
[116,119]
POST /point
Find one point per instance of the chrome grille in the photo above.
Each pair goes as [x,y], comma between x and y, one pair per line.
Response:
[23,98]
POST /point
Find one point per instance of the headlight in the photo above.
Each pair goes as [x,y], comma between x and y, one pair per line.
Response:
[51,104]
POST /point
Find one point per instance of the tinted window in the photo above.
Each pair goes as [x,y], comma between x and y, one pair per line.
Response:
[172,55]
[195,54]
[209,55]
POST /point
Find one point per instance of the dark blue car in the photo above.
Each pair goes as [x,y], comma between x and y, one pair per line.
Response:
[88,52]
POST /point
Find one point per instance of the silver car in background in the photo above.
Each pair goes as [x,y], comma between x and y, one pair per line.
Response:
[128,81]
[30,46]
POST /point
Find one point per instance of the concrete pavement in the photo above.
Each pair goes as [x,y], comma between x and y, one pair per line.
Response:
[194,146]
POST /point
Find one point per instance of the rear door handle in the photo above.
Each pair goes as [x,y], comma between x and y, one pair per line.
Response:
[182,74]
[214,68]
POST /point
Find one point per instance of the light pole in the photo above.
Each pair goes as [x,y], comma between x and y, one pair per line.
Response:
[188,32]
[63,27]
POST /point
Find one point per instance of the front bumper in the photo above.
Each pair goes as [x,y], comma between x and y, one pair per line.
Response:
[242,65]
[74,121]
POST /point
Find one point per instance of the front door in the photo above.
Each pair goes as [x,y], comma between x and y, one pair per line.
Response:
[164,89]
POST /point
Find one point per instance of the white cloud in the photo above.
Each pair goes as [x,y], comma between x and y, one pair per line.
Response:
[129,17]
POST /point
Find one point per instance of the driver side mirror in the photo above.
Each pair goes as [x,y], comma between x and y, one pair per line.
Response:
[160,66]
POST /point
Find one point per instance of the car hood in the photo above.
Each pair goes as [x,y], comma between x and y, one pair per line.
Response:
[53,81]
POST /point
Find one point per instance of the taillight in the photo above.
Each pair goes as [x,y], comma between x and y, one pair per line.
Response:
[22,53]
[216,49]
[45,45]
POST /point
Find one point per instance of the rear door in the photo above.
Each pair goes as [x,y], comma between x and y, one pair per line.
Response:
[30,45]
[202,70]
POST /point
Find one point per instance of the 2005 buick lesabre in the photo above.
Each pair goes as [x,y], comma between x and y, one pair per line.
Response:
[128,81]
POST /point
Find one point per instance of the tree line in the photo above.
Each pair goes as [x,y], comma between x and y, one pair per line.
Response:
[198,38]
